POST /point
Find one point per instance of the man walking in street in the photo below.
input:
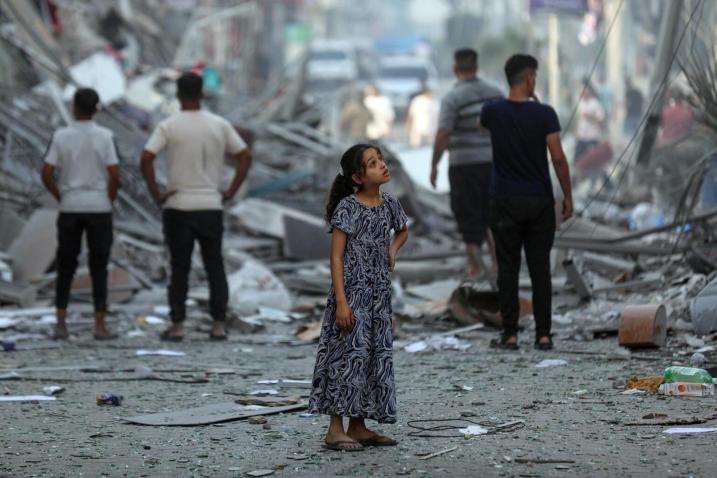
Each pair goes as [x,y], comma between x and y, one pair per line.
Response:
[470,155]
[523,208]
[196,142]
[85,158]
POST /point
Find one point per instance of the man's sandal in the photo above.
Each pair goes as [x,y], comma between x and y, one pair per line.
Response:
[544,346]
[167,337]
[378,440]
[503,344]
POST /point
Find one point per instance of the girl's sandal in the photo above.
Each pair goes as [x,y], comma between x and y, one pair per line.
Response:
[344,446]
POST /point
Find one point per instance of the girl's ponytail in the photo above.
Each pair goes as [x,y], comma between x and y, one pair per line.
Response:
[341,188]
[344,185]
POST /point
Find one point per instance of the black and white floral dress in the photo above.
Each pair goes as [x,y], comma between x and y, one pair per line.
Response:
[353,376]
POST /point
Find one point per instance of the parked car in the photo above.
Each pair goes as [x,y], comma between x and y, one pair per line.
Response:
[332,60]
[400,78]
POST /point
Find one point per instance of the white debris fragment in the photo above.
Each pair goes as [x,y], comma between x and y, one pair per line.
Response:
[437,342]
[633,391]
[269,391]
[474,430]
[681,430]
[551,363]
[164,352]
[26,398]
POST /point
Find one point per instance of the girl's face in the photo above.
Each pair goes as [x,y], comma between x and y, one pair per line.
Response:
[374,168]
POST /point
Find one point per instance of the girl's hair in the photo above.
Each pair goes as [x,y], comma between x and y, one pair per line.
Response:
[344,185]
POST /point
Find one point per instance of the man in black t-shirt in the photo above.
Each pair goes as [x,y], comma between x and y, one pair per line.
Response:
[522,205]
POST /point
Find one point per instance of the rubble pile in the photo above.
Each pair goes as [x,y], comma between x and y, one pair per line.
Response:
[276,248]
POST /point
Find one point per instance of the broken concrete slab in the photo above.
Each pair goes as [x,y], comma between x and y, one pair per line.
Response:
[33,250]
[208,414]
[120,284]
[10,226]
[702,309]
[16,293]
[255,285]
[610,264]
[305,240]
[434,290]
[576,279]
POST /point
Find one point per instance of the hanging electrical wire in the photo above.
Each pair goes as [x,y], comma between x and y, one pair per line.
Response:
[662,85]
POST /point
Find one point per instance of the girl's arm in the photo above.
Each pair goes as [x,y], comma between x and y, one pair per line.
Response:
[399,239]
[344,315]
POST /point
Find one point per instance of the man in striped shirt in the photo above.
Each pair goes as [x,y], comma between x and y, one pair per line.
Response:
[469,154]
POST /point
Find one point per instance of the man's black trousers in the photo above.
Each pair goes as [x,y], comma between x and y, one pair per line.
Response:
[181,229]
[70,227]
[524,222]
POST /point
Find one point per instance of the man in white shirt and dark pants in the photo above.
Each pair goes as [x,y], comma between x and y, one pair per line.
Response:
[196,142]
[85,158]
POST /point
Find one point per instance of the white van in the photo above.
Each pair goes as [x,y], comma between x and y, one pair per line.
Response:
[332,60]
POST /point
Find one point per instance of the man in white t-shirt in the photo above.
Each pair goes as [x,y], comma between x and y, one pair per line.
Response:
[195,142]
[85,158]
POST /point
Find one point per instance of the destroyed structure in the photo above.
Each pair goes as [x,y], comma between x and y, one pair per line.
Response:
[634,268]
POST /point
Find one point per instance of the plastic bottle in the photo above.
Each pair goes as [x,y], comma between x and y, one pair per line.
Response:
[109,399]
[687,374]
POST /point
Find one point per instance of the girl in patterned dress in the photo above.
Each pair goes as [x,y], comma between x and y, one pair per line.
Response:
[353,376]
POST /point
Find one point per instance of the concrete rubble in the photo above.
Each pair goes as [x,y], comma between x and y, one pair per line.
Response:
[276,254]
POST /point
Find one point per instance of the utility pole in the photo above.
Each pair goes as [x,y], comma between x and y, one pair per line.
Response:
[615,65]
[668,32]
[553,61]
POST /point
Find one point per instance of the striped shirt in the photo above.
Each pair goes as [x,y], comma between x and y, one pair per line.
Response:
[460,114]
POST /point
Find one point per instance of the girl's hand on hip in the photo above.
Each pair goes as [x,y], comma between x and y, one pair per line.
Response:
[344,317]
[391,259]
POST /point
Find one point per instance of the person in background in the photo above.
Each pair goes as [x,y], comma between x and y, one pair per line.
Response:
[590,120]
[634,104]
[469,155]
[196,142]
[677,118]
[422,118]
[355,116]
[382,114]
[85,158]
[523,206]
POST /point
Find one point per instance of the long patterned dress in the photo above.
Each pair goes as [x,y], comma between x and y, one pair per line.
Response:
[353,376]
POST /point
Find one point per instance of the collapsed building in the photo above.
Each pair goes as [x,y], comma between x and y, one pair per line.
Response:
[651,243]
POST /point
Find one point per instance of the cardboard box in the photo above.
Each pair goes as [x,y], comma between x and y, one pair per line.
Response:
[687,389]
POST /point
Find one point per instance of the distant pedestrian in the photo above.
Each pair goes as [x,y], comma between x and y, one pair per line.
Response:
[382,114]
[353,376]
[469,155]
[589,130]
[196,142]
[634,105]
[355,117]
[85,158]
[523,207]
[422,119]
[677,118]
